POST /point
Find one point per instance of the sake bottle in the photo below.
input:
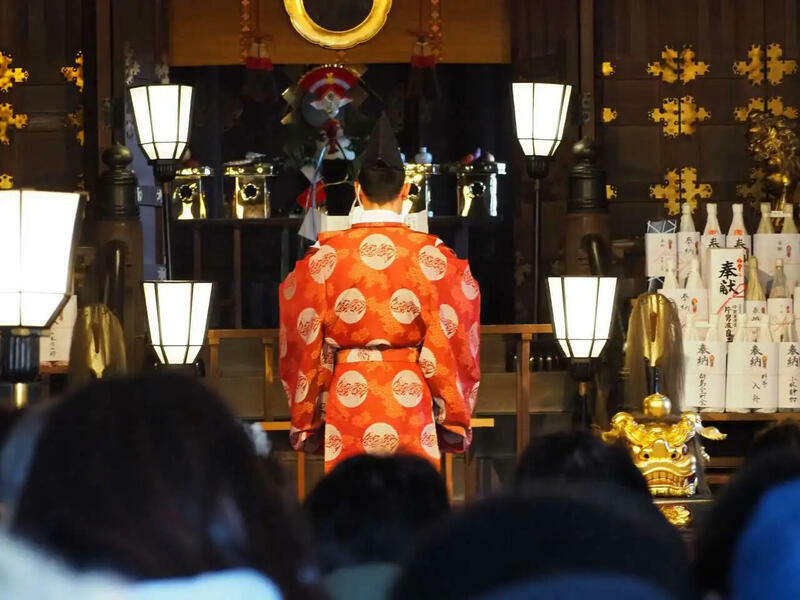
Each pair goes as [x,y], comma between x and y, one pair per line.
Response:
[712,335]
[737,234]
[742,327]
[670,276]
[755,302]
[765,225]
[688,242]
[789,225]
[693,279]
[779,281]
[712,238]
[712,224]
[690,330]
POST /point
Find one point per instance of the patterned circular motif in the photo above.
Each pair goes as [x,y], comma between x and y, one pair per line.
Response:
[290,286]
[333,443]
[322,264]
[432,262]
[429,442]
[468,285]
[377,251]
[407,388]
[308,325]
[301,389]
[448,319]
[404,306]
[351,389]
[350,306]
[380,439]
[427,363]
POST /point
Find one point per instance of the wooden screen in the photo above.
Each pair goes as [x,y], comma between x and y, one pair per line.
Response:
[637,153]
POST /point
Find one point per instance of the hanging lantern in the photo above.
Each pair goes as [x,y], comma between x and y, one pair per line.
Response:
[177,316]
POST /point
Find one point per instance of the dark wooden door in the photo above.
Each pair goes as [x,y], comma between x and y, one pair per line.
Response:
[42,149]
[630,34]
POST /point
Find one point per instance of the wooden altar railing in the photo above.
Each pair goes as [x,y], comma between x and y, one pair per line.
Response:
[268,338]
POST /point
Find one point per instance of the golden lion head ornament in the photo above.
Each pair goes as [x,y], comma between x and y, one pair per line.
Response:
[662,449]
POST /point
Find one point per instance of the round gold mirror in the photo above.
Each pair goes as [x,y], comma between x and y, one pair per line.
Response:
[338,25]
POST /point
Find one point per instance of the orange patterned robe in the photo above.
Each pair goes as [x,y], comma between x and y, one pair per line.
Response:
[379,340]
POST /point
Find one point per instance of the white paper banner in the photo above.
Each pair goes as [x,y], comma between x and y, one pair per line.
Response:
[704,382]
[789,377]
[688,248]
[659,248]
[780,317]
[54,347]
[752,381]
[689,301]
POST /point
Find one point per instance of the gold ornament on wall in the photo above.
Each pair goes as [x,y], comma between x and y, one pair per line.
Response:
[6,181]
[753,190]
[778,67]
[675,65]
[607,68]
[679,116]
[317,33]
[611,192]
[609,114]
[774,143]
[75,73]
[756,70]
[9,76]
[680,186]
[774,105]
[10,119]
[75,119]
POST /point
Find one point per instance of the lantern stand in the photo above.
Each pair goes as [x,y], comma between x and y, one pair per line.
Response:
[19,347]
[582,310]
[164,172]
[540,113]
[35,284]
[177,311]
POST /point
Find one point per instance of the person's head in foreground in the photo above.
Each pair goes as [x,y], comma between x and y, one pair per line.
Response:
[720,534]
[367,514]
[776,437]
[552,542]
[766,559]
[152,478]
[575,456]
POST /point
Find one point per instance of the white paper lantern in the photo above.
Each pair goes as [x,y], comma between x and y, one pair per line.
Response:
[37,241]
[163,114]
[540,112]
[177,316]
[582,310]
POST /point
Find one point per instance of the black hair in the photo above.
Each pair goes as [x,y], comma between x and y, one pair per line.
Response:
[580,529]
[381,183]
[578,456]
[152,477]
[783,435]
[371,509]
[719,534]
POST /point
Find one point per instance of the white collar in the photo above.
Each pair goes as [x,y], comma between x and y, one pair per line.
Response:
[379,215]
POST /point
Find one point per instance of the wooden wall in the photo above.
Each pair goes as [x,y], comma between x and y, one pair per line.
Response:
[207,33]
